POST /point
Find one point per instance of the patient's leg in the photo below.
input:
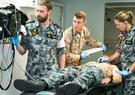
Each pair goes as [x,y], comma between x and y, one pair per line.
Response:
[61,76]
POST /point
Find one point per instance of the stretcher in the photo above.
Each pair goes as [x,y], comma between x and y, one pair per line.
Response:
[103,89]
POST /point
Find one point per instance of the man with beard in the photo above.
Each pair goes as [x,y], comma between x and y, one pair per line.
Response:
[44,42]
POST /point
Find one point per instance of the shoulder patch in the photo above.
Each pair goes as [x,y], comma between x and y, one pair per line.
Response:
[57,26]
[34,32]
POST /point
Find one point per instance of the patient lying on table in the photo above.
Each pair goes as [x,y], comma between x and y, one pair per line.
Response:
[74,79]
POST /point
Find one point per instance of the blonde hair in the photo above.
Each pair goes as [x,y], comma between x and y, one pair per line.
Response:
[80,15]
[46,3]
[125,16]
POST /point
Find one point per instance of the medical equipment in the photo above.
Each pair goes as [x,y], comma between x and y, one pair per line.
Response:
[10,21]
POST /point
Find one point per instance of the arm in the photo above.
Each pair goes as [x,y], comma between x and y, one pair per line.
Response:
[109,59]
[106,80]
[20,49]
[116,78]
[113,57]
[61,61]
[61,53]
[15,40]
[132,68]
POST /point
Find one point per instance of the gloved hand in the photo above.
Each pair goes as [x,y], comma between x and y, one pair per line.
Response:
[104,47]
[84,55]
[14,40]
[101,59]
[124,73]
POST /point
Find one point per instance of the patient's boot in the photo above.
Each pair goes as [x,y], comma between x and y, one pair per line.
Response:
[30,85]
[69,89]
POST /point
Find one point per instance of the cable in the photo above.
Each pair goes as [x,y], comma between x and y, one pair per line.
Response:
[123,33]
[23,70]
[11,72]
[7,67]
[2,63]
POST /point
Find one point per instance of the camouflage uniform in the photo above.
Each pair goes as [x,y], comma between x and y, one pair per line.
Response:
[85,76]
[75,42]
[127,56]
[44,44]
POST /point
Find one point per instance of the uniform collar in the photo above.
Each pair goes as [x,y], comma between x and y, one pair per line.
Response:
[130,33]
[80,33]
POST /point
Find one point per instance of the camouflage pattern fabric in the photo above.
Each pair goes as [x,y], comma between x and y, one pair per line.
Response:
[41,43]
[75,42]
[127,56]
[85,76]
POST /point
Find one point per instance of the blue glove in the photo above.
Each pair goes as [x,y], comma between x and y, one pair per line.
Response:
[101,59]
[14,40]
[124,73]
[104,47]
[84,55]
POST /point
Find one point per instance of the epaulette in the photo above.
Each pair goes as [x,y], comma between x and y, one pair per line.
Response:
[56,25]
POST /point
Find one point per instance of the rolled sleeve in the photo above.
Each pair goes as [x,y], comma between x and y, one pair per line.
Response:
[61,46]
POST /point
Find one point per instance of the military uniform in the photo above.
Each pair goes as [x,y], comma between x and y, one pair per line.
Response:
[44,44]
[127,56]
[86,75]
[75,42]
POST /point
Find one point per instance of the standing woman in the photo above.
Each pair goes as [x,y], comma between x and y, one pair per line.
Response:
[126,50]
[125,22]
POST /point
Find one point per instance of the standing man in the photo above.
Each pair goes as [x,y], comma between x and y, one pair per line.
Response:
[44,42]
[76,37]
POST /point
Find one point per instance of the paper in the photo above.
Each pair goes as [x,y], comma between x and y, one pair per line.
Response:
[93,50]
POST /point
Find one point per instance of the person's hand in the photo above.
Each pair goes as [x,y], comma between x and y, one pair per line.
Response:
[14,40]
[84,55]
[101,59]
[106,80]
[104,47]
[124,73]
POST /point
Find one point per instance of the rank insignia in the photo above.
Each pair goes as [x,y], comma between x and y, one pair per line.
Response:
[128,42]
[51,36]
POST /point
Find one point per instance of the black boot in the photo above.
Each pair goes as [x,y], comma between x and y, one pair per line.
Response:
[69,89]
[30,85]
